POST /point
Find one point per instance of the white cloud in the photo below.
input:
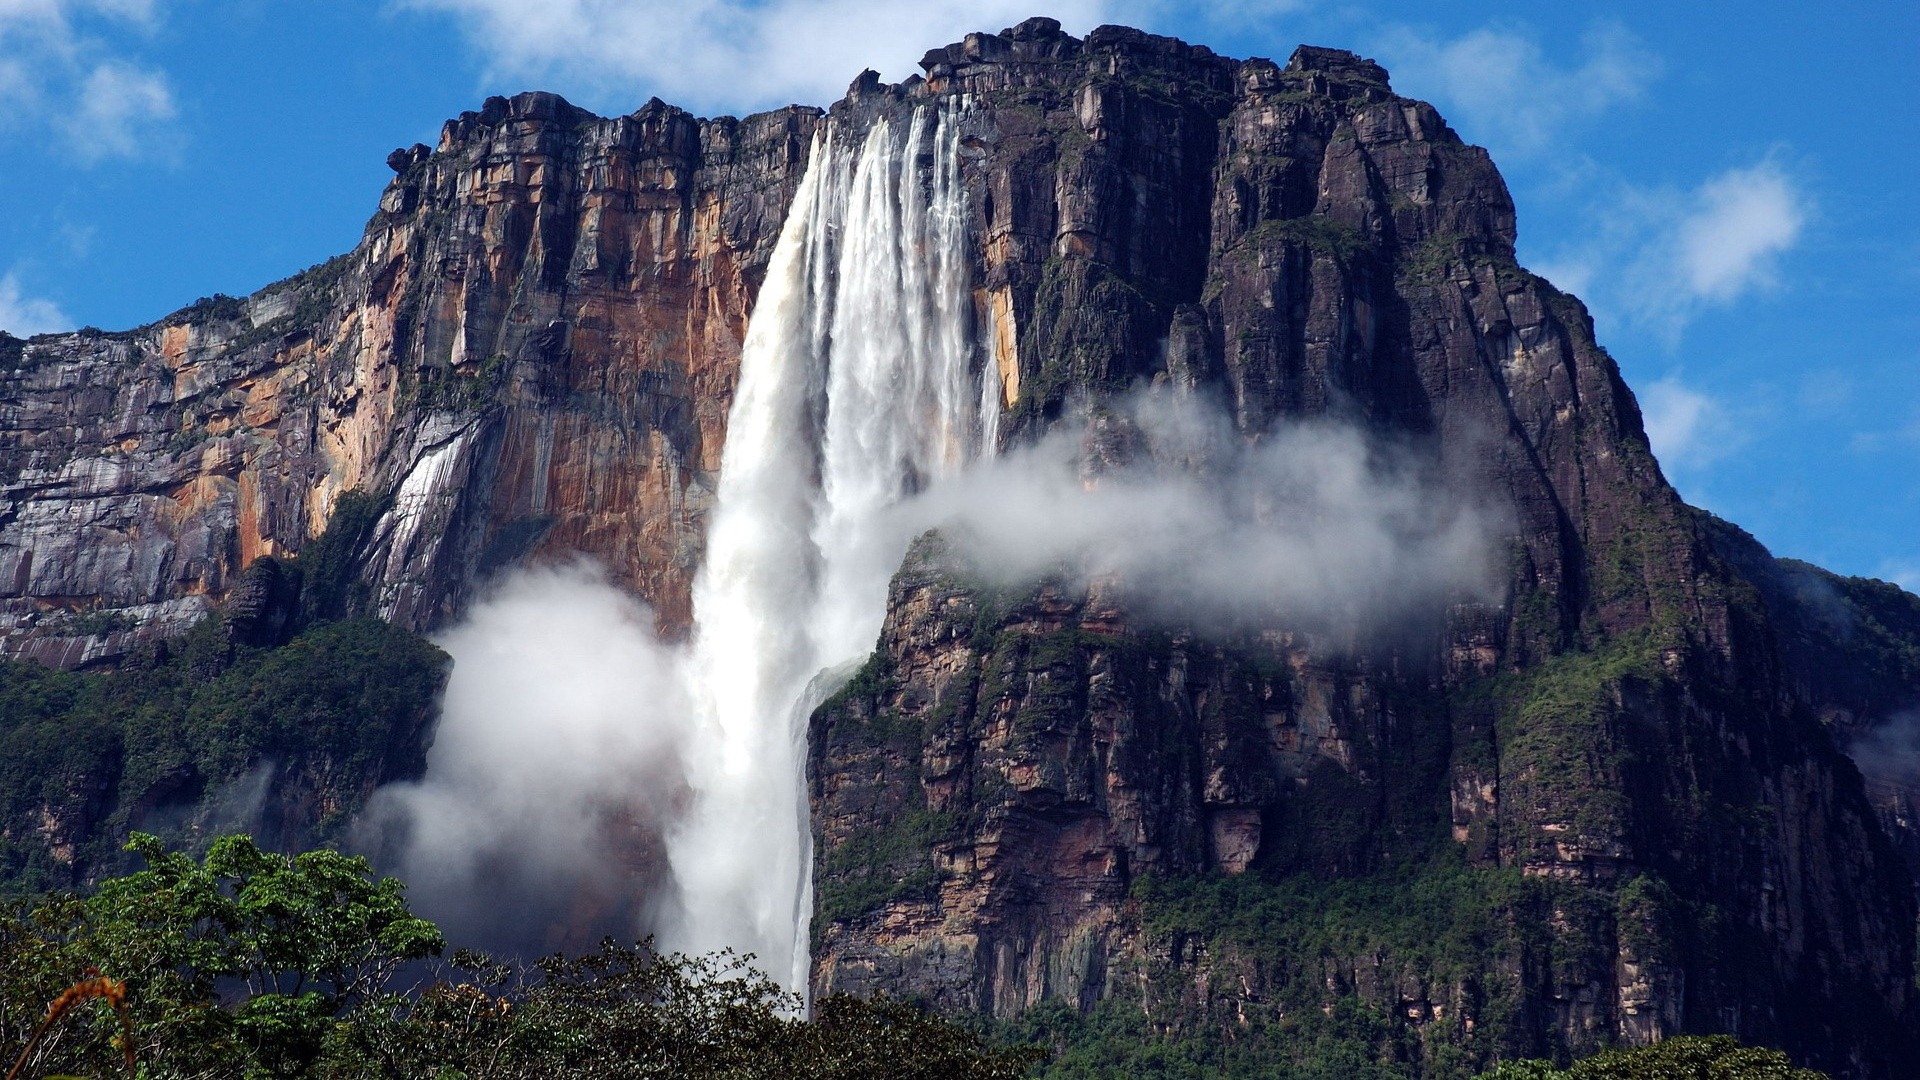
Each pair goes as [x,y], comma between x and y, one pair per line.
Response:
[1688,429]
[555,768]
[727,55]
[60,72]
[1732,237]
[24,316]
[1906,575]
[1659,257]
[1708,247]
[1500,87]
[1318,523]
[120,108]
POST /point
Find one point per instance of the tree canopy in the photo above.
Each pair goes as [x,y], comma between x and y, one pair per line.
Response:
[247,963]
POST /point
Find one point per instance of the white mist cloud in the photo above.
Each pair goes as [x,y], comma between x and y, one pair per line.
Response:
[567,761]
[59,71]
[1661,257]
[24,316]
[121,111]
[726,55]
[1316,523]
[1687,428]
[1500,87]
[554,770]
[1738,225]
[1890,753]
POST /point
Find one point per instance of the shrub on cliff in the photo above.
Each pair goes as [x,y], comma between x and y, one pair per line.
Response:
[1686,1057]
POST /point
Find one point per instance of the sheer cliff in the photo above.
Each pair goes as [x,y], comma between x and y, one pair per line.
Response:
[531,350]
[1613,806]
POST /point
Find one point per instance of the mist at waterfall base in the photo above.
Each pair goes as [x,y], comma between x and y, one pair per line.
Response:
[570,756]
[553,770]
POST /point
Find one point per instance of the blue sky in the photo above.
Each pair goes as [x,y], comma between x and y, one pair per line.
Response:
[1729,186]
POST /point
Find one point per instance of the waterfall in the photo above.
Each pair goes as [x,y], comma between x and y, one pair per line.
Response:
[859,383]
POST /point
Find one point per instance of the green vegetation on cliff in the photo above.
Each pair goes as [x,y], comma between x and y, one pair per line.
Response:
[279,716]
[170,743]
[1689,1057]
[250,964]
[1251,975]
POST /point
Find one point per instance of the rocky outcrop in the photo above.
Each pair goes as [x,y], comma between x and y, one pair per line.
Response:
[1850,648]
[1626,733]
[531,351]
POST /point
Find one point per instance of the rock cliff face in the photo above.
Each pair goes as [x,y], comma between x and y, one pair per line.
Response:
[531,351]
[1628,775]
[1637,733]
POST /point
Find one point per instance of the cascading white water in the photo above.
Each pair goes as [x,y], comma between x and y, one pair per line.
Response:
[858,384]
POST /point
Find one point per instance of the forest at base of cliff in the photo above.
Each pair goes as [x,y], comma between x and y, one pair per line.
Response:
[211,710]
[249,963]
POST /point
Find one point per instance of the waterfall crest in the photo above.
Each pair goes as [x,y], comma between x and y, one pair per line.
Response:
[860,382]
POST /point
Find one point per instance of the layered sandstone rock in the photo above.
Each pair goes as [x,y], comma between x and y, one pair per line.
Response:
[532,353]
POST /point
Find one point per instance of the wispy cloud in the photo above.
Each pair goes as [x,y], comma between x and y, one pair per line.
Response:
[1688,429]
[23,315]
[60,73]
[726,55]
[1904,574]
[1501,88]
[1733,233]
[120,108]
[1660,257]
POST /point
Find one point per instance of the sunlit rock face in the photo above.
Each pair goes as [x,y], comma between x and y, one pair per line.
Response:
[534,351]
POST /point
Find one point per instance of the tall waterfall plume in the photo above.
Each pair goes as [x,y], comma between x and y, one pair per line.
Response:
[859,383]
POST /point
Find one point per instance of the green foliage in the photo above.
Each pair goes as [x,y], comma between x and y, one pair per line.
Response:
[13,352]
[451,390]
[329,564]
[1556,729]
[867,684]
[96,623]
[1430,260]
[188,436]
[1087,319]
[309,938]
[876,866]
[1284,961]
[86,757]
[249,964]
[1884,624]
[892,858]
[1346,1041]
[216,308]
[629,1012]
[1316,232]
[1688,1057]
[316,288]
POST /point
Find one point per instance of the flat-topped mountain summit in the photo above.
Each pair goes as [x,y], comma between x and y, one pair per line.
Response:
[1610,804]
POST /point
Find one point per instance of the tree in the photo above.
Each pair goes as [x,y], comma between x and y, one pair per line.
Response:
[238,964]
[251,964]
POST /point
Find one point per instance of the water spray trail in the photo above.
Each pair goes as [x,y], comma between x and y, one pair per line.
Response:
[856,388]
